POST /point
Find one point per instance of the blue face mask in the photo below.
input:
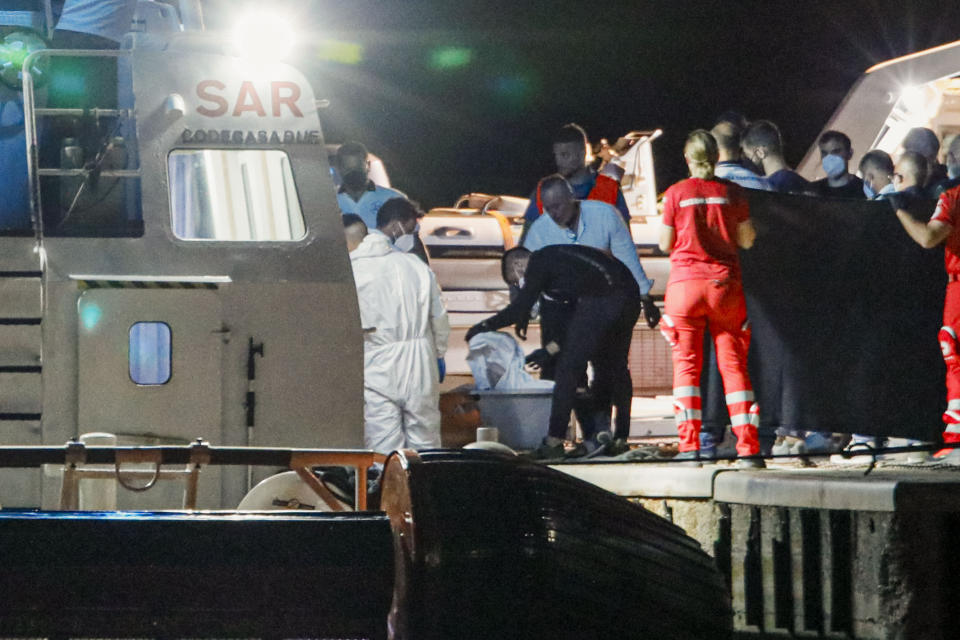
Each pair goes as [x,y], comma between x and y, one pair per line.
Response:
[868,191]
[834,166]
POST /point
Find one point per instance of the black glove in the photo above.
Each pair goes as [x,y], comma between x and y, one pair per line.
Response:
[897,200]
[538,358]
[521,330]
[480,327]
[650,311]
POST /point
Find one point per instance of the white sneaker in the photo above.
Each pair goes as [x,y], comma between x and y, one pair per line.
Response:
[952,458]
[788,445]
[908,457]
[860,445]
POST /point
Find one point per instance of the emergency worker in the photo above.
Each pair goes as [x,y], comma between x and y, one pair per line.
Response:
[582,222]
[704,222]
[397,219]
[405,332]
[944,228]
[605,300]
[570,145]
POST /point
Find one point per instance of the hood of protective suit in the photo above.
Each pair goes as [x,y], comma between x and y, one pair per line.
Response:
[375,244]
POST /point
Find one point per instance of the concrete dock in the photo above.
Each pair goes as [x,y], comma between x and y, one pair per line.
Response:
[816,552]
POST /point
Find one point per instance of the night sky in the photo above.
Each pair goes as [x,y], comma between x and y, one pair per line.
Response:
[464,96]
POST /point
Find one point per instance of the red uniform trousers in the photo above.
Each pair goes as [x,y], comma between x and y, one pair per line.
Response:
[692,305]
[949,346]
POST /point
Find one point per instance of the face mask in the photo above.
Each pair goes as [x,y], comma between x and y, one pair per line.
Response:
[834,166]
[953,172]
[521,282]
[405,242]
[887,189]
[868,191]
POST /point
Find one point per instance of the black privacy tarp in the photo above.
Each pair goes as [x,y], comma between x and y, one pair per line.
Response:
[845,310]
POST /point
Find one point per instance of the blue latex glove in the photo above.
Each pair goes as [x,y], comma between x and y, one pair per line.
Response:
[442,367]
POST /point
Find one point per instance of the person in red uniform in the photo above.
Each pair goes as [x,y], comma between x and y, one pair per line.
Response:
[944,226]
[705,220]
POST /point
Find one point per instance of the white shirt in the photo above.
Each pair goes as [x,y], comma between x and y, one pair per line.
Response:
[109,19]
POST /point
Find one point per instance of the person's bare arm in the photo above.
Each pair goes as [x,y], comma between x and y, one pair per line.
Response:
[746,234]
[926,234]
[668,238]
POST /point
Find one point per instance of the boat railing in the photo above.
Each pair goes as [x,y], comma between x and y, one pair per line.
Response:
[76,459]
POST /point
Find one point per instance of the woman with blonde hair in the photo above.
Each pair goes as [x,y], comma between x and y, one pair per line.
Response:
[705,221]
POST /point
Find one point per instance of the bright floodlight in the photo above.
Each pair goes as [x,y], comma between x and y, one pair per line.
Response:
[263,35]
[914,98]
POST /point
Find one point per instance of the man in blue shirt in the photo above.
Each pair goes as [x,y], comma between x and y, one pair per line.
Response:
[568,220]
[763,146]
[570,156]
[358,194]
[727,134]
[588,222]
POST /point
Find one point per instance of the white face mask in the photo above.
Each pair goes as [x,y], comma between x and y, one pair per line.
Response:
[406,241]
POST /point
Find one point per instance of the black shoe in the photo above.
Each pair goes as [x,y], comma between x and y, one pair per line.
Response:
[547,452]
[617,447]
[599,444]
[579,450]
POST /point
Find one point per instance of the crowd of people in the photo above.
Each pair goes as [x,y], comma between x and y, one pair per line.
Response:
[577,267]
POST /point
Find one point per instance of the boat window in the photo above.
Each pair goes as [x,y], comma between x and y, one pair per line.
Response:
[234,195]
[150,353]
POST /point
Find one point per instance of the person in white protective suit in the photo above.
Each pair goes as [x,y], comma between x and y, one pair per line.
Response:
[405,331]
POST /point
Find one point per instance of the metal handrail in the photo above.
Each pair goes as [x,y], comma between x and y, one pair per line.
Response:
[75,454]
[30,112]
[106,173]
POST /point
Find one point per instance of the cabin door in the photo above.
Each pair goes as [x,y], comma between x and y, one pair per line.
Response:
[149,362]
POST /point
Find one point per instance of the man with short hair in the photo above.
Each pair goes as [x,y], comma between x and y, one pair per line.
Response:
[876,167]
[354,230]
[583,222]
[605,303]
[405,331]
[397,219]
[728,135]
[924,141]
[588,222]
[952,158]
[763,146]
[909,176]
[570,146]
[835,153]
[358,193]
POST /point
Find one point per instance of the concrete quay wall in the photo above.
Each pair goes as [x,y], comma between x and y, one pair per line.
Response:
[825,552]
